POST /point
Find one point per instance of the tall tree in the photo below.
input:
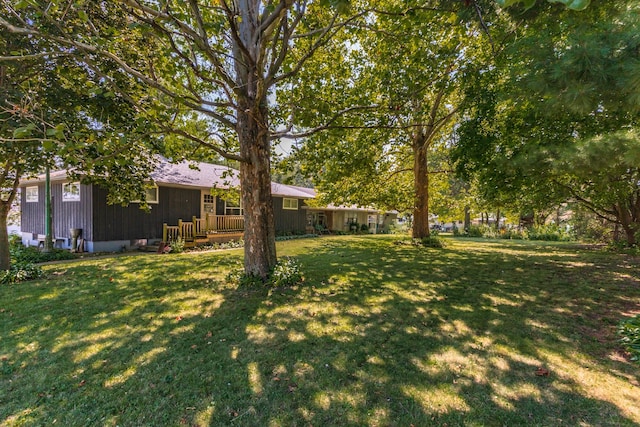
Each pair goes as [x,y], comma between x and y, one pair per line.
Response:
[562,81]
[411,73]
[603,174]
[47,118]
[219,64]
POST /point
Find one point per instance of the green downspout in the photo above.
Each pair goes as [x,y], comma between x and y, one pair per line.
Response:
[48,236]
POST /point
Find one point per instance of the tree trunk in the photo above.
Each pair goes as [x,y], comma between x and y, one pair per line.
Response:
[630,233]
[498,220]
[255,150]
[467,219]
[421,187]
[627,222]
[255,179]
[5,255]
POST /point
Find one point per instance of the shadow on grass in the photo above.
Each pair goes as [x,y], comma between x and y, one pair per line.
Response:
[379,334]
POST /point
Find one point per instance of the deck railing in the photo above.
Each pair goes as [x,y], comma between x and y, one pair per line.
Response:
[202,227]
[218,223]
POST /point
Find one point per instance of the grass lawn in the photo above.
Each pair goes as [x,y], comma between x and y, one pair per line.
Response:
[380,334]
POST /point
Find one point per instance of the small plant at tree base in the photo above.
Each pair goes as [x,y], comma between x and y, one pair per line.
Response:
[430,242]
[629,332]
[425,242]
[286,273]
[20,273]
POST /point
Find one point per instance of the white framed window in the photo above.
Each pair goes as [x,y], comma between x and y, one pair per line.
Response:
[209,203]
[152,195]
[291,204]
[232,207]
[31,194]
[71,192]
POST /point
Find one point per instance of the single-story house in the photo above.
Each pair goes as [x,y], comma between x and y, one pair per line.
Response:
[180,201]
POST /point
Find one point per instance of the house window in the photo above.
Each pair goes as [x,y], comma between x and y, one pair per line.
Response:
[71,192]
[291,204]
[31,194]
[209,203]
[232,207]
[152,194]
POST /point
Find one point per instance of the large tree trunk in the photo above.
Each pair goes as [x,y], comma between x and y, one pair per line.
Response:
[253,136]
[628,224]
[467,219]
[5,256]
[255,179]
[5,207]
[421,187]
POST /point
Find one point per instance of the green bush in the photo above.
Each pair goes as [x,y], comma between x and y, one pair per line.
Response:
[177,245]
[286,273]
[476,231]
[432,242]
[20,273]
[549,232]
[629,332]
[294,237]
[21,254]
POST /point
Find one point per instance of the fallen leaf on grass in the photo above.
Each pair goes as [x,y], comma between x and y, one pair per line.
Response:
[542,372]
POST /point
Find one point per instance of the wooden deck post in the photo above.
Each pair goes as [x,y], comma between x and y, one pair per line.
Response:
[180,229]
[164,232]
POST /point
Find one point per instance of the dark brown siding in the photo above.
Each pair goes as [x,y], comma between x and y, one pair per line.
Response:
[65,215]
[72,214]
[32,216]
[114,222]
[219,206]
[287,220]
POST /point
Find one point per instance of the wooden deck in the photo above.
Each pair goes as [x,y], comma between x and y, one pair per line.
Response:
[210,229]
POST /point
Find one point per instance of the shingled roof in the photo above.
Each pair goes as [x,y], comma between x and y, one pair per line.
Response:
[201,175]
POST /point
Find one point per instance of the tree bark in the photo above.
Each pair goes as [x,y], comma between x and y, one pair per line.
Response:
[255,148]
[255,180]
[421,187]
[5,255]
[467,219]
[5,207]
[627,222]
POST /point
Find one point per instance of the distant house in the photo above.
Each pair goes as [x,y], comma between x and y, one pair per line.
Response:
[181,203]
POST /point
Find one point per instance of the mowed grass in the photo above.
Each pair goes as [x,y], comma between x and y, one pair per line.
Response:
[379,334]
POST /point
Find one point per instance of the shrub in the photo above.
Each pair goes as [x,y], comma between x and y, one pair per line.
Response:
[286,273]
[177,245]
[475,231]
[21,254]
[296,236]
[629,332]
[20,273]
[549,232]
[432,242]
